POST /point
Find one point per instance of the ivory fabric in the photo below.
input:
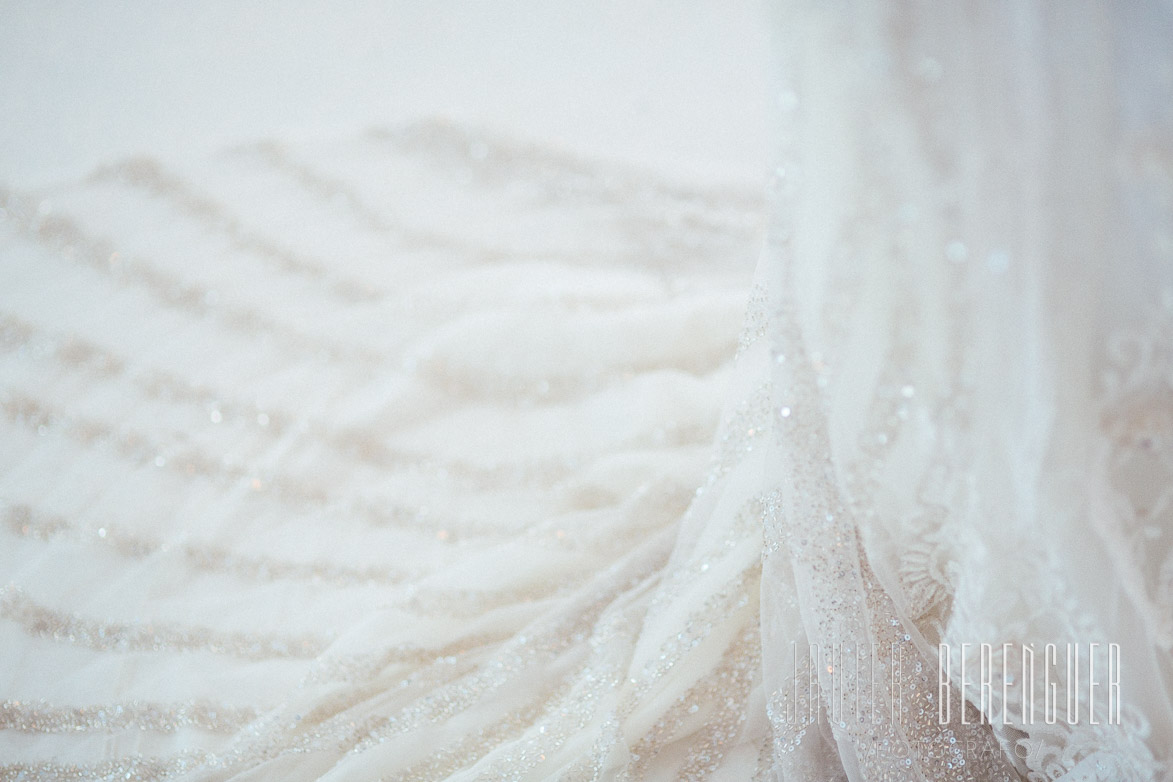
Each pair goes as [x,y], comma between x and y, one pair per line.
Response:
[308,450]
[431,453]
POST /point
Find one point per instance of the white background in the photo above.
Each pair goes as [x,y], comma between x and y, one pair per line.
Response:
[676,85]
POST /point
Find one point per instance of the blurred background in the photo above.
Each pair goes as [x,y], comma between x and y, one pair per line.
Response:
[652,82]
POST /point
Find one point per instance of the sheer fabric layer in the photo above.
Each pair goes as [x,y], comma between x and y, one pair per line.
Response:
[970,242]
[381,459]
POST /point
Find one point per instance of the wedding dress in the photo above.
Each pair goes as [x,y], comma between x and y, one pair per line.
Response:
[433,454]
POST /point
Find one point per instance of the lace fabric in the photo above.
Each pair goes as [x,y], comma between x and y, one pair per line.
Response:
[966,239]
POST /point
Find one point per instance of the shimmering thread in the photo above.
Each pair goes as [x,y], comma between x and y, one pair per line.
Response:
[138,768]
[823,543]
[296,490]
[757,319]
[543,642]
[466,603]
[362,668]
[337,192]
[746,523]
[334,190]
[711,222]
[609,647]
[291,490]
[448,760]
[472,603]
[975,756]
[521,652]
[66,237]
[62,627]
[151,176]
[722,693]
[678,225]
[430,684]
[765,759]
[42,717]
[507,160]
[748,423]
[355,444]
[72,351]
[21,520]
[698,625]
[723,727]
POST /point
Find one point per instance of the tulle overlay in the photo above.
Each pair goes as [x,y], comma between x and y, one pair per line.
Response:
[365,460]
[432,454]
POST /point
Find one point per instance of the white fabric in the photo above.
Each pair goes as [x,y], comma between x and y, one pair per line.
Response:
[434,454]
[972,259]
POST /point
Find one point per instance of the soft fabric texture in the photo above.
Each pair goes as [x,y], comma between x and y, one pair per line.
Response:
[432,453]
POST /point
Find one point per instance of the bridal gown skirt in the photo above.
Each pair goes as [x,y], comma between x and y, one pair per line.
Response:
[402,457]
[364,460]
[430,453]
